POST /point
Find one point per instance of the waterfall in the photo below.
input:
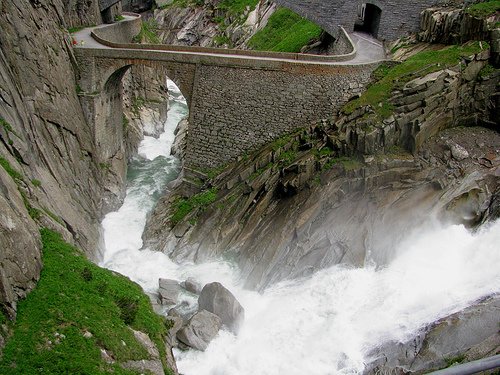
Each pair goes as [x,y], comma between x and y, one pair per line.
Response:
[326,323]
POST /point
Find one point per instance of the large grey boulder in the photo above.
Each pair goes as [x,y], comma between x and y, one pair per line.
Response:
[191,285]
[169,291]
[215,298]
[200,330]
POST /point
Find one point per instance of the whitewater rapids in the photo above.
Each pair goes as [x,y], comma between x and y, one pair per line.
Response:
[324,324]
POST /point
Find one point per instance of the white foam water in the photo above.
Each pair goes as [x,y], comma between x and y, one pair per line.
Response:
[326,323]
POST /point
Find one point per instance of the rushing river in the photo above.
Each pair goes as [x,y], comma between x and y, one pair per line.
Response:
[324,324]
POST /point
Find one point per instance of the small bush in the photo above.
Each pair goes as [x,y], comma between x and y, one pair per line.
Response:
[87,274]
[129,307]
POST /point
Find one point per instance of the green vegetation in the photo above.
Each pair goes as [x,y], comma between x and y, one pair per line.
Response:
[119,18]
[484,9]
[73,30]
[487,71]
[16,176]
[286,31]
[125,122]
[148,33]
[137,104]
[259,171]
[76,310]
[377,94]
[348,163]
[214,172]
[53,216]
[281,142]
[184,4]
[455,360]
[7,127]
[235,7]
[36,183]
[287,157]
[221,40]
[184,206]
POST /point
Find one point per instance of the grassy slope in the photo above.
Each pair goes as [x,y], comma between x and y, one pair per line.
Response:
[286,31]
[484,9]
[75,296]
[377,95]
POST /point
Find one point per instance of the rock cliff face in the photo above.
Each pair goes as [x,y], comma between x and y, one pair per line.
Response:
[44,140]
[209,26]
[452,26]
[288,211]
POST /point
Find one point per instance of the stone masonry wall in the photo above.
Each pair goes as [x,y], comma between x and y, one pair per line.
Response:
[399,17]
[238,110]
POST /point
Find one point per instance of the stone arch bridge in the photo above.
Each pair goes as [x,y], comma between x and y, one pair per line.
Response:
[238,100]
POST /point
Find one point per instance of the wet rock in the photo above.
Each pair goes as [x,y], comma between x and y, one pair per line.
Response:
[465,333]
[177,322]
[200,330]
[458,152]
[215,298]
[169,291]
[191,285]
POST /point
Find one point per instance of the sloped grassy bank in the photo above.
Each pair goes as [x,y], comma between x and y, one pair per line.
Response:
[80,319]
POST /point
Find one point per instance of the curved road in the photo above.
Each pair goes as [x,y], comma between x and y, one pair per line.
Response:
[369,50]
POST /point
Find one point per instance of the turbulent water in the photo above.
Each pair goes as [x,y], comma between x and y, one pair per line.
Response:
[324,324]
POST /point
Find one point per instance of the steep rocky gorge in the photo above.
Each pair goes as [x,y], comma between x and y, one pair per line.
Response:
[350,189]
[328,194]
[45,141]
[307,201]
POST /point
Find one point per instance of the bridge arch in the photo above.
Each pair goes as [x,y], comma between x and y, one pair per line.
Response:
[112,75]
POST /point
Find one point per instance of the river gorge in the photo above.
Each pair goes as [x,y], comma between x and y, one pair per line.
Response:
[332,321]
[229,187]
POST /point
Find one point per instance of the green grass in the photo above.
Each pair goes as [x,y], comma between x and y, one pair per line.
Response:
[237,6]
[286,31]
[377,95]
[73,30]
[73,297]
[184,4]
[16,176]
[148,33]
[119,18]
[487,71]
[348,163]
[184,206]
[484,9]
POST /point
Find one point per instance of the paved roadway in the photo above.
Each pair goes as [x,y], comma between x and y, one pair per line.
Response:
[369,49]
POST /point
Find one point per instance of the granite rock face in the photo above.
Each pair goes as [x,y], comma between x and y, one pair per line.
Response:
[197,26]
[467,335]
[45,138]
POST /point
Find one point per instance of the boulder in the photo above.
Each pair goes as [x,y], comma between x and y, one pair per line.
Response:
[191,285]
[200,330]
[169,291]
[458,152]
[215,298]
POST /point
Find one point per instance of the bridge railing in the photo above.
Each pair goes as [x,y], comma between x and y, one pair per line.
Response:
[115,35]
[121,32]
